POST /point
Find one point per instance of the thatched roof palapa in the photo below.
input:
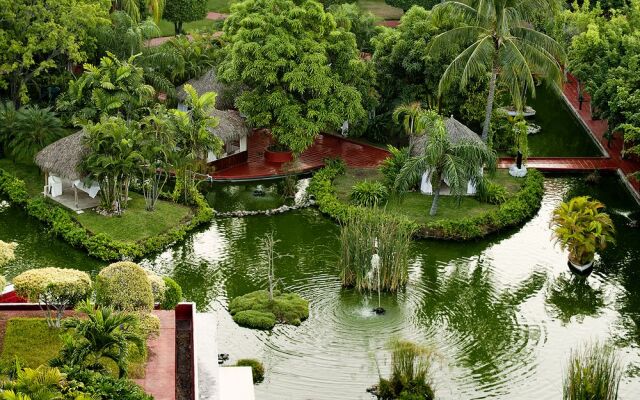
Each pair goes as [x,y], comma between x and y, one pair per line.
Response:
[457,132]
[63,157]
[209,82]
[231,125]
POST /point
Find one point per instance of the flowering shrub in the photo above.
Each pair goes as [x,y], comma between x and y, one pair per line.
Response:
[124,286]
[7,252]
[148,324]
[56,288]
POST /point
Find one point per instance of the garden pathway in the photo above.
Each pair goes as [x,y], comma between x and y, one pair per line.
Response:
[612,161]
[355,154]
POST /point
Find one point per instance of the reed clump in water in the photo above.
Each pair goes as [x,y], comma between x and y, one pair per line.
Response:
[594,372]
[411,368]
[358,238]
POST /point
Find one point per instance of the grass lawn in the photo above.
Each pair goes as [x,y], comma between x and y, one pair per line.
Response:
[136,223]
[29,173]
[381,9]
[219,6]
[34,344]
[416,205]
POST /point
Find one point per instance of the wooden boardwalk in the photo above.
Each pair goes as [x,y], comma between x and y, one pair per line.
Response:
[559,164]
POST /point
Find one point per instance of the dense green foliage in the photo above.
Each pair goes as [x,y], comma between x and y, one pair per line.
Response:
[369,194]
[38,38]
[407,4]
[172,294]
[54,288]
[125,286]
[354,19]
[410,379]
[257,369]
[33,129]
[181,11]
[254,310]
[580,226]
[392,165]
[492,193]
[304,75]
[594,372]
[101,246]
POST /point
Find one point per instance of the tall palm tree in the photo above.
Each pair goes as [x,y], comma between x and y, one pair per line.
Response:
[409,113]
[104,333]
[457,163]
[498,41]
[132,7]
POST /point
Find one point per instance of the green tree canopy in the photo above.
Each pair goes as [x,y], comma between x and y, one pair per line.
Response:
[303,74]
[41,35]
[180,11]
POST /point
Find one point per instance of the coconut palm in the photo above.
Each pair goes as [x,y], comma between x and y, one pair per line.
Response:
[409,114]
[498,41]
[580,226]
[104,333]
[457,163]
[34,129]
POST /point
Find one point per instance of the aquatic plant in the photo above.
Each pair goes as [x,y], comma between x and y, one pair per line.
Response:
[256,310]
[580,226]
[257,369]
[411,366]
[369,194]
[594,372]
[359,236]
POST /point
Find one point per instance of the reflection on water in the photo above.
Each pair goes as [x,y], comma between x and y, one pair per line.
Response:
[503,313]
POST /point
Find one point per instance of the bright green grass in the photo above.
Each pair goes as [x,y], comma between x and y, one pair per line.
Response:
[416,206]
[381,9]
[136,223]
[34,344]
[29,173]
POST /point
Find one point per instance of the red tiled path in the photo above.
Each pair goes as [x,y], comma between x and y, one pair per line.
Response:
[326,146]
[214,16]
[597,128]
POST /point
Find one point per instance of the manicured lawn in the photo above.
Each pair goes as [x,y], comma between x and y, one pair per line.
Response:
[29,173]
[219,6]
[34,344]
[416,205]
[31,340]
[136,223]
[381,9]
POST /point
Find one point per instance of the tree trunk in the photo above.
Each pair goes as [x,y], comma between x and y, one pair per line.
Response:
[489,108]
[436,194]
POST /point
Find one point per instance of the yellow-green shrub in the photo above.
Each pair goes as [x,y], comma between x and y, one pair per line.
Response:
[7,253]
[124,286]
[158,287]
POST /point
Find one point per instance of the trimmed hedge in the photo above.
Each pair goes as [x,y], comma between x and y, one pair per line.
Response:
[172,295]
[515,210]
[101,246]
[124,286]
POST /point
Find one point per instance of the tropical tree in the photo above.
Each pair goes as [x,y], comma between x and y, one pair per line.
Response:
[500,43]
[113,159]
[299,67]
[458,163]
[125,37]
[181,11]
[580,226]
[193,139]
[44,35]
[137,9]
[409,113]
[157,145]
[102,334]
[34,129]
[113,87]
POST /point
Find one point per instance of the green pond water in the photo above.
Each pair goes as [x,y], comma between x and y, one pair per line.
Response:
[562,135]
[503,313]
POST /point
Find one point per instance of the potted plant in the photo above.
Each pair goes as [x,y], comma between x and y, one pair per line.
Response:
[581,227]
[278,153]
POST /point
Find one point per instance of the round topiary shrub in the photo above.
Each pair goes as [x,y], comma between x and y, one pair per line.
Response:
[255,319]
[148,324]
[158,287]
[257,311]
[369,194]
[257,369]
[172,294]
[124,286]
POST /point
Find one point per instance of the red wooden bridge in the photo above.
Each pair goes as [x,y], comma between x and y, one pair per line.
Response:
[560,164]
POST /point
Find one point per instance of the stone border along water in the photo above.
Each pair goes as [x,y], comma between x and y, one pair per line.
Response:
[272,211]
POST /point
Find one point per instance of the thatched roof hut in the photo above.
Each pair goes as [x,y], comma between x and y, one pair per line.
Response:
[231,125]
[457,132]
[63,157]
[209,83]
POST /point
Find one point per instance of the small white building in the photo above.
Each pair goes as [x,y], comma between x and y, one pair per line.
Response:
[457,132]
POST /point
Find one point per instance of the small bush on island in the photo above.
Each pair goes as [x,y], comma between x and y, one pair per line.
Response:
[593,373]
[257,369]
[124,286]
[55,288]
[492,193]
[255,310]
[172,295]
[411,373]
[369,194]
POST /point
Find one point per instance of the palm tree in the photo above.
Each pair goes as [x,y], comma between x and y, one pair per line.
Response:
[458,163]
[104,333]
[34,129]
[497,40]
[132,7]
[409,113]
